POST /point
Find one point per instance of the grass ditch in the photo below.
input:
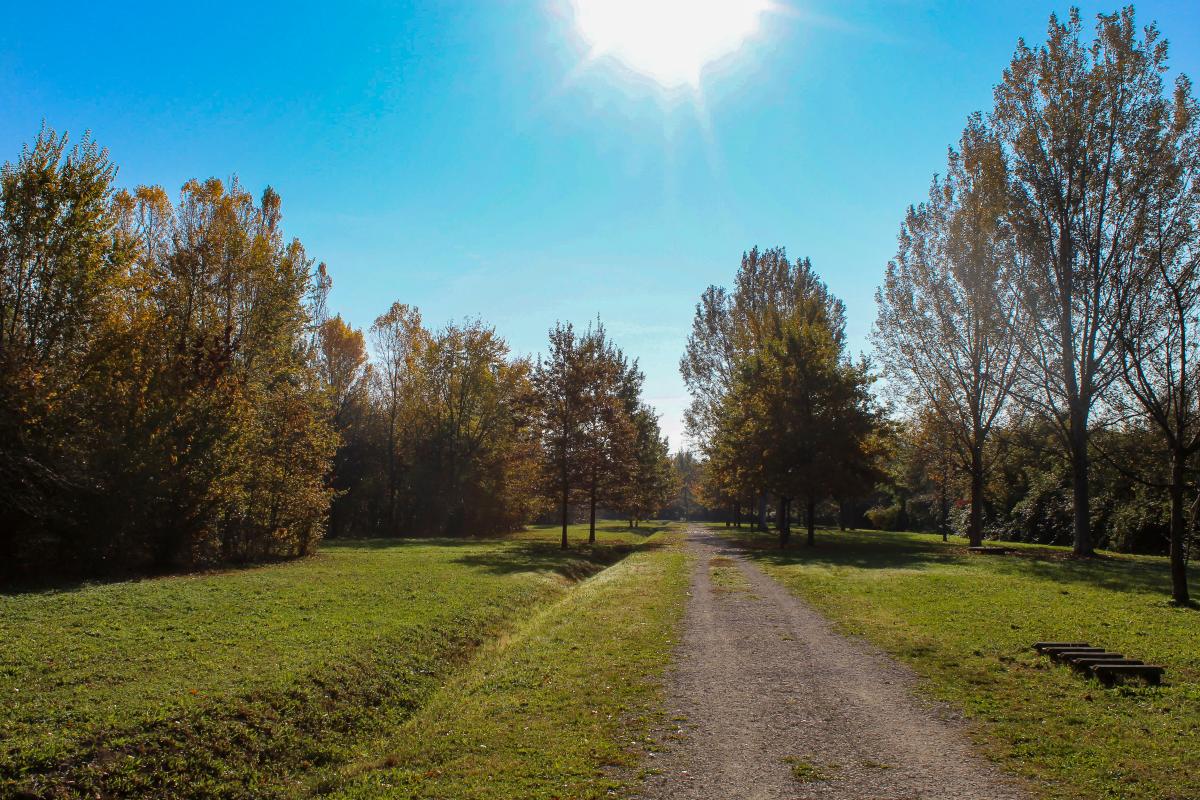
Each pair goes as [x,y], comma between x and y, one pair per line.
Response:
[560,708]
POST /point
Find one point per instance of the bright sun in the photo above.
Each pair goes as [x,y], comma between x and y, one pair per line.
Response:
[668,40]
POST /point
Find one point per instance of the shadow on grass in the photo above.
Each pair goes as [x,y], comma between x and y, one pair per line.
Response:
[579,551]
[60,583]
[579,561]
[877,550]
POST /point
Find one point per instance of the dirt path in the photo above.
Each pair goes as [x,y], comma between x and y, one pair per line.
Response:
[763,687]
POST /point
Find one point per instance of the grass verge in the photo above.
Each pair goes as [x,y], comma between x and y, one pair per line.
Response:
[559,709]
[966,623]
[253,683]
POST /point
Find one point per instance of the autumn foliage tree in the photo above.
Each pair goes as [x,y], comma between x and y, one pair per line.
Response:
[950,328]
[789,414]
[161,396]
[599,445]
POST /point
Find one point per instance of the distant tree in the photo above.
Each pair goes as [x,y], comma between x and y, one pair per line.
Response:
[477,461]
[559,417]
[796,418]
[611,395]
[708,363]
[689,475]
[400,342]
[1078,125]
[729,329]
[925,468]
[652,481]
[812,417]
[950,329]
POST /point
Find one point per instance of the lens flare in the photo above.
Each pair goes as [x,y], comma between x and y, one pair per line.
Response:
[667,40]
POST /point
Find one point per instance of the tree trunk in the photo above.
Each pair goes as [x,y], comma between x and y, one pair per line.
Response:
[1179,586]
[944,511]
[592,514]
[784,521]
[1079,485]
[762,513]
[566,493]
[811,521]
[975,523]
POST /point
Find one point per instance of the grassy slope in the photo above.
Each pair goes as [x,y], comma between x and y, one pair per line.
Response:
[549,711]
[967,622]
[249,683]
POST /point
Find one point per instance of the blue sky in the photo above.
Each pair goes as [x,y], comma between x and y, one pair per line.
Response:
[463,156]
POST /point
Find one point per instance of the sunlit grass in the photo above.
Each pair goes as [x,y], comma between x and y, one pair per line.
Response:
[238,683]
[558,710]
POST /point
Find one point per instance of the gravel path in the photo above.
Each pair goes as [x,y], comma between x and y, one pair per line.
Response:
[763,687]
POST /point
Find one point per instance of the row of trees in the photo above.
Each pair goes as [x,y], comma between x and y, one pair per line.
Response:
[778,408]
[156,401]
[174,392]
[433,433]
[1049,285]
[599,444]
[443,431]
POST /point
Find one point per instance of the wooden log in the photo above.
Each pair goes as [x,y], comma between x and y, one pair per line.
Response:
[989,551]
[1065,655]
[1108,673]
[1054,651]
[1086,664]
[1041,646]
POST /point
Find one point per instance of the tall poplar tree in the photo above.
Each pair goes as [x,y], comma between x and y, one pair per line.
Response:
[1078,123]
[1158,311]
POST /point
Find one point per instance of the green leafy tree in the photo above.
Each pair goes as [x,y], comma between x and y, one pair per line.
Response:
[559,417]
[62,261]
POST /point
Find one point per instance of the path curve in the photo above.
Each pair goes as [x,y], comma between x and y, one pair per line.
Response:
[762,682]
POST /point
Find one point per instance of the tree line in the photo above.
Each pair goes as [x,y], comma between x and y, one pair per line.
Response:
[1046,293]
[175,393]
[1036,329]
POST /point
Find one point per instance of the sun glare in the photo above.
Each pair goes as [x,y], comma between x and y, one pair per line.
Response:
[668,40]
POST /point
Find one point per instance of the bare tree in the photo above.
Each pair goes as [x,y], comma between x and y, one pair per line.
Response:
[1159,310]
[948,330]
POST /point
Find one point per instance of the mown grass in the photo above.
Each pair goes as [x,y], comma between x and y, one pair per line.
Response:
[559,709]
[253,683]
[967,622]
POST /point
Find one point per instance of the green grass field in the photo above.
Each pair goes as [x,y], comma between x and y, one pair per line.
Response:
[273,681]
[966,623]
